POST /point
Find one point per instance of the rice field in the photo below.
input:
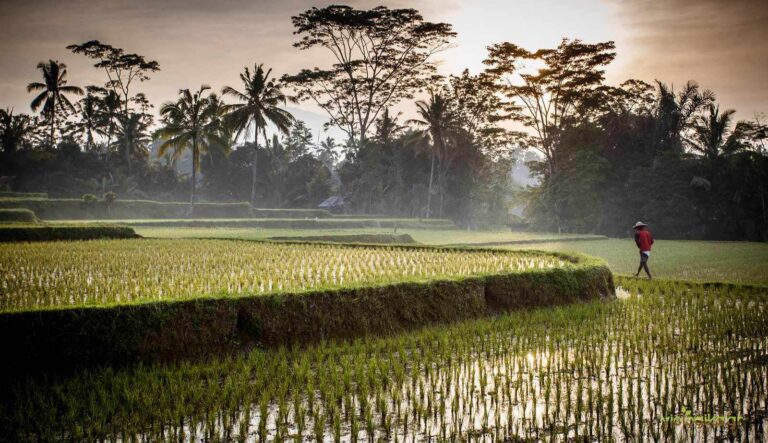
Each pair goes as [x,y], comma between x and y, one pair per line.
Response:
[48,275]
[666,362]
[738,262]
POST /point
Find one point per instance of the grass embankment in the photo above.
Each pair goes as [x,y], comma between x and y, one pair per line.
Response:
[703,261]
[19,215]
[403,239]
[77,209]
[294,224]
[14,233]
[621,370]
[117,301]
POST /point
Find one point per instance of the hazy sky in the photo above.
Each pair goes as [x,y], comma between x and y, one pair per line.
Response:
[721,44]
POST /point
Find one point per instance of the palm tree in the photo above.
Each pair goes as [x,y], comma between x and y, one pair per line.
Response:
[190,123]
[327,153]
[437,121]
[53,89]
[713,137]
[89,122]
[226,134]
[260,104]
[110,110]
[132,137]
[676,113]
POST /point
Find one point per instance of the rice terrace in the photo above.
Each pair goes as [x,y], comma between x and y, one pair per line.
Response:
[438,222]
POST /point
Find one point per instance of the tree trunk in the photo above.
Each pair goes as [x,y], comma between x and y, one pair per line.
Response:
[128,156]
[429,191]
[194,178]
[53,124]
[442,201]
[551,193]
[254,167]
[108,148]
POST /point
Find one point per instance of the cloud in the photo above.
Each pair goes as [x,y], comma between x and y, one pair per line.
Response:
[720,44]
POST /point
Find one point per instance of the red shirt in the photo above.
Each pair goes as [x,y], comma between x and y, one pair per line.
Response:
[644,240]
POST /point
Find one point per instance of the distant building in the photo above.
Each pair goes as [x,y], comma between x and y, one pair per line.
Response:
[333,204]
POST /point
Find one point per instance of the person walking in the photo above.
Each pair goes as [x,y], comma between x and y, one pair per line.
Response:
[644,241]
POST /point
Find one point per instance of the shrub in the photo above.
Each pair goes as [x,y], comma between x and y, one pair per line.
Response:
[17,215]
[51,233]
[110,198]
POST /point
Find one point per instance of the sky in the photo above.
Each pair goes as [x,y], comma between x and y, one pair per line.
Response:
[722,45]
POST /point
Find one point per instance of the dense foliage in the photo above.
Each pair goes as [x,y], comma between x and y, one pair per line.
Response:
[614,155]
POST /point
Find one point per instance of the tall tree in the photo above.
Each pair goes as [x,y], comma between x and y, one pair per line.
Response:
[132,138]
[260,104]
[713,136]
[109,116]
[551,98]
[53,92]
[298,142]
[479,110]
[381,56]
[676,114]
[88,122]
[328,153]
[190,123]
[437,119]
[122,69]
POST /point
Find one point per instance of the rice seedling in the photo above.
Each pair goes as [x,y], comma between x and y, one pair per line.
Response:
[670,362]
[65,274]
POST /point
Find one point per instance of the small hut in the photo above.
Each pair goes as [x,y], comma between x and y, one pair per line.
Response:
[333,204]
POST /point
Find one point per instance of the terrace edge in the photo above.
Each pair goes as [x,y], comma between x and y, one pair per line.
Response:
[61,339]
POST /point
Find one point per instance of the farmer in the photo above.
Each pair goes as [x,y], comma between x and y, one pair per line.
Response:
[644,240]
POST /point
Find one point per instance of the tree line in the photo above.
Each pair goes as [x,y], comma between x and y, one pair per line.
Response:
[605,155]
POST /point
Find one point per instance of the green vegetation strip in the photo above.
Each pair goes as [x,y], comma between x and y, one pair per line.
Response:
[9,194]
[624,370]
[44,233]
[77,209]
[117,301]
[353,238]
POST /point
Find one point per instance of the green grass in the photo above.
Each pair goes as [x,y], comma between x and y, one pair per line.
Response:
[616,371]
[735,262]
